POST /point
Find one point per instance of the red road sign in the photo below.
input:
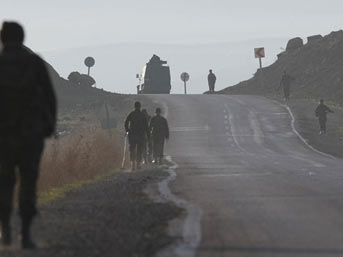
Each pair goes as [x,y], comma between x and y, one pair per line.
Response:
[259,52]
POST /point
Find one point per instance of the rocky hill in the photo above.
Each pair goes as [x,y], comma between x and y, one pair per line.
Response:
[317,67]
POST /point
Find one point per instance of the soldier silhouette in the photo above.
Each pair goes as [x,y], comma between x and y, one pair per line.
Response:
[285,83]
[159,132]
[136,125]
[321,112]
[211,81]
[27,117]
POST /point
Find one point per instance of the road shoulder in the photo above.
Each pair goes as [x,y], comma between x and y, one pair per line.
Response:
[112,217]
[307,125]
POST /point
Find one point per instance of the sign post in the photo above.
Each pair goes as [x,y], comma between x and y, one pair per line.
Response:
[260,53]
[185,77]
[89,62]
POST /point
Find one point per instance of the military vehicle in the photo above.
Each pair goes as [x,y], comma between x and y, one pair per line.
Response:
[155,77]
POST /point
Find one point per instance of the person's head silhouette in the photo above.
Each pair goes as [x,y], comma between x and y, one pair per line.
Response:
[137,106]
[12,33]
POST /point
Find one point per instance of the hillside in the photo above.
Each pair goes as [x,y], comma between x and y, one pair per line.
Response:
[317,67]
[81,106]
[70,95]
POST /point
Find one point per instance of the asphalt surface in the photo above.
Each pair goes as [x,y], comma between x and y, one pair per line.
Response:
[260,189]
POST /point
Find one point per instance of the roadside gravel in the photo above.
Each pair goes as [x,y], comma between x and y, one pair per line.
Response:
[113,217]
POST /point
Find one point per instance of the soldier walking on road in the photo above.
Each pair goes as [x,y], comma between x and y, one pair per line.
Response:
[147,143]
[136,125]
[27,116]
[211,81]
[321,111]
[285,83]
[159,132]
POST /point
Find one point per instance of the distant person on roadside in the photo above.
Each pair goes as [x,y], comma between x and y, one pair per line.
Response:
[147,143]
[321,112]
[136,126]
[211,81]
[27,117]
[159,132]
[285,83]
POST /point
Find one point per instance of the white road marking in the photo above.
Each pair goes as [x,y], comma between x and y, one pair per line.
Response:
[255,125]
[188,129]
[236,174]
[233,131]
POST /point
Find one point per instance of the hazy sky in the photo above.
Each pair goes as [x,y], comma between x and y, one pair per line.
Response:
[52,25]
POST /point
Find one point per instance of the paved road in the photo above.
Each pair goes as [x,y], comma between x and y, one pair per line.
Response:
[260,189]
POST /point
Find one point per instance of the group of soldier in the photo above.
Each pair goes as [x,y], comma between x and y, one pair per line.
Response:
[146,136]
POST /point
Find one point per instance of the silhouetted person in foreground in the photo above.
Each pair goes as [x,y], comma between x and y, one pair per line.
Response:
[211,81]
[147,143]
[285,83]
[27,117]
[321,112]
[136,125]
[159,132]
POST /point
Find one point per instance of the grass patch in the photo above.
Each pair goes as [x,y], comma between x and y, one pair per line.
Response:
[73,161]
[338,132]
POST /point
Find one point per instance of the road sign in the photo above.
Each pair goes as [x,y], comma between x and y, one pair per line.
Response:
[89,62]
[184,76]
[259,52]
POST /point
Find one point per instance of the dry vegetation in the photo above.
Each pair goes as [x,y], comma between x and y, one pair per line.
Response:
[81,156]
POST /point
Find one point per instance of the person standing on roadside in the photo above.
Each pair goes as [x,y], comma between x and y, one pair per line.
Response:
[211,81]
[159,132]
[136,126]
[27,117]
[147,142]
[321,112]
[285,83]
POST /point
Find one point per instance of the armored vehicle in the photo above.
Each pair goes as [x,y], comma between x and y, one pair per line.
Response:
[155,77]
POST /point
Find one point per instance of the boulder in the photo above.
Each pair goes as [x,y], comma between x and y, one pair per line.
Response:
[294,43]
[314,38]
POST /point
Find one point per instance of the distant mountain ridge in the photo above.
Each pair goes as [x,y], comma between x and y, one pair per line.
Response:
[317,67]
